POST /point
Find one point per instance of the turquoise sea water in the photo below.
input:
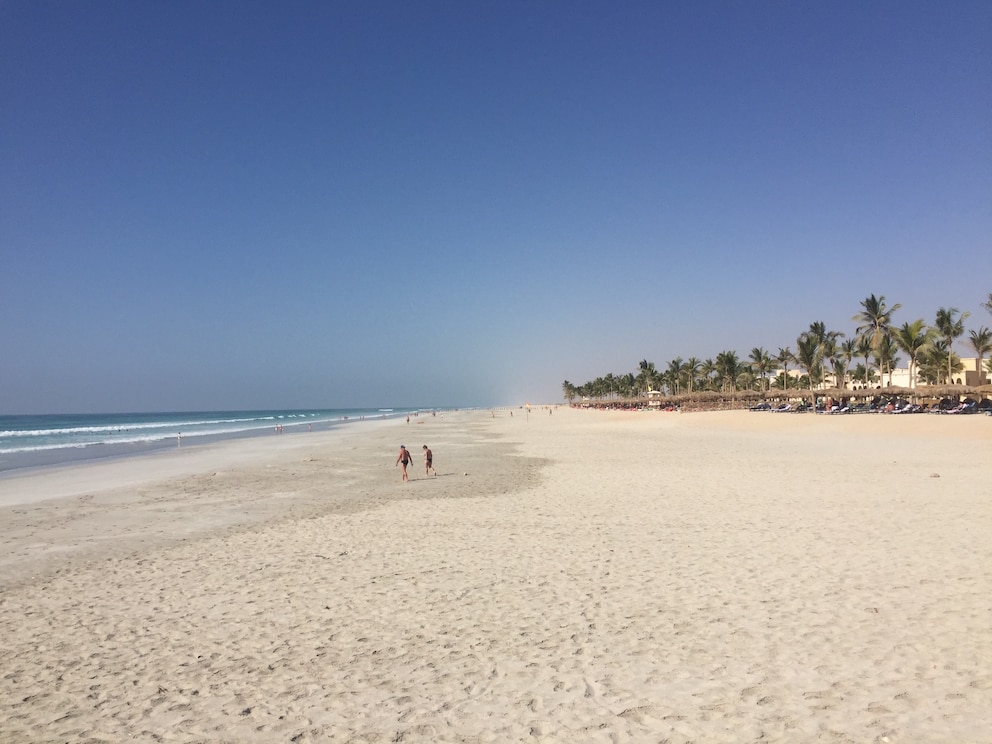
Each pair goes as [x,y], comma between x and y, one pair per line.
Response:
[30,441]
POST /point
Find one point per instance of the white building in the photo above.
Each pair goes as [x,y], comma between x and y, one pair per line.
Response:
[969,375]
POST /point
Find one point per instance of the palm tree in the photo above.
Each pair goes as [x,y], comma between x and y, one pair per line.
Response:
[842,358]
[863,374]
[674,373]
[913,338]
[930,363]
[596,388]
[828,358]
[826,342]
[848,349]
[569,390]
[887,358]
[864,350]
[708,370]
[628,385]
[808,356]
[950,328]
[691,368]
[609,384]
[782,381]
[937,362]
[876,320]
[839,370]
[647,376]
[988,303]
[666,382]
[761,363]
[783,357]
[728,367]
[981,342]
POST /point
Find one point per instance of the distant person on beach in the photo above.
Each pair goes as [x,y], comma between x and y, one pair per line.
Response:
[404,458]
[428,461]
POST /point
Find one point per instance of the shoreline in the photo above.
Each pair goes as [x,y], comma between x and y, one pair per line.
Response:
[189,427]
[217,445]
[578,576]
[87,511]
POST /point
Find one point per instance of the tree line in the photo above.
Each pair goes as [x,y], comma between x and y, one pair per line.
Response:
[864,359]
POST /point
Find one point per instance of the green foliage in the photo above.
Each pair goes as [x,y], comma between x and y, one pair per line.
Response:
[929,351]
[875,324]
[981,341]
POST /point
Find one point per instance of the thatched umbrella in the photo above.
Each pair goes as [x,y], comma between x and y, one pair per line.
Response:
[715,398]
[862,393]
[869,392]
[895,390]
[835,392]
[706,396]
[940,391]
[789,393]
[686,400]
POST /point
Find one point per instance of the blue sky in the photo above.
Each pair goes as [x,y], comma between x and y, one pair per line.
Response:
[251,205]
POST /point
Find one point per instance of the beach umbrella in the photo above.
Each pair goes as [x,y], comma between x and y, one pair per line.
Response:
[939,391]
[705,395]
[834,392]
[871,392]
[896,390]
[865,393]
[789,393]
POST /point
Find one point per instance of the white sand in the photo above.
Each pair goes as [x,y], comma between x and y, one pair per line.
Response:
[595,577]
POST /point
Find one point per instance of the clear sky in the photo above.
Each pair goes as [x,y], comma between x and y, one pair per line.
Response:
[230,205]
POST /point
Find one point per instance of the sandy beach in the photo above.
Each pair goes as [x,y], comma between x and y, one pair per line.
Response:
[577,577]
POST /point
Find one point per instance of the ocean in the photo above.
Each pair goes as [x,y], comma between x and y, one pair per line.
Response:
[52,439]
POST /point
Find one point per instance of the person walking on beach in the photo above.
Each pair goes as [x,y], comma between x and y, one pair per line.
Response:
[428,461]
[404,458]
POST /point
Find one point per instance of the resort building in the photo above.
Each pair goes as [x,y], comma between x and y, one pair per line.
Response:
[969,375]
